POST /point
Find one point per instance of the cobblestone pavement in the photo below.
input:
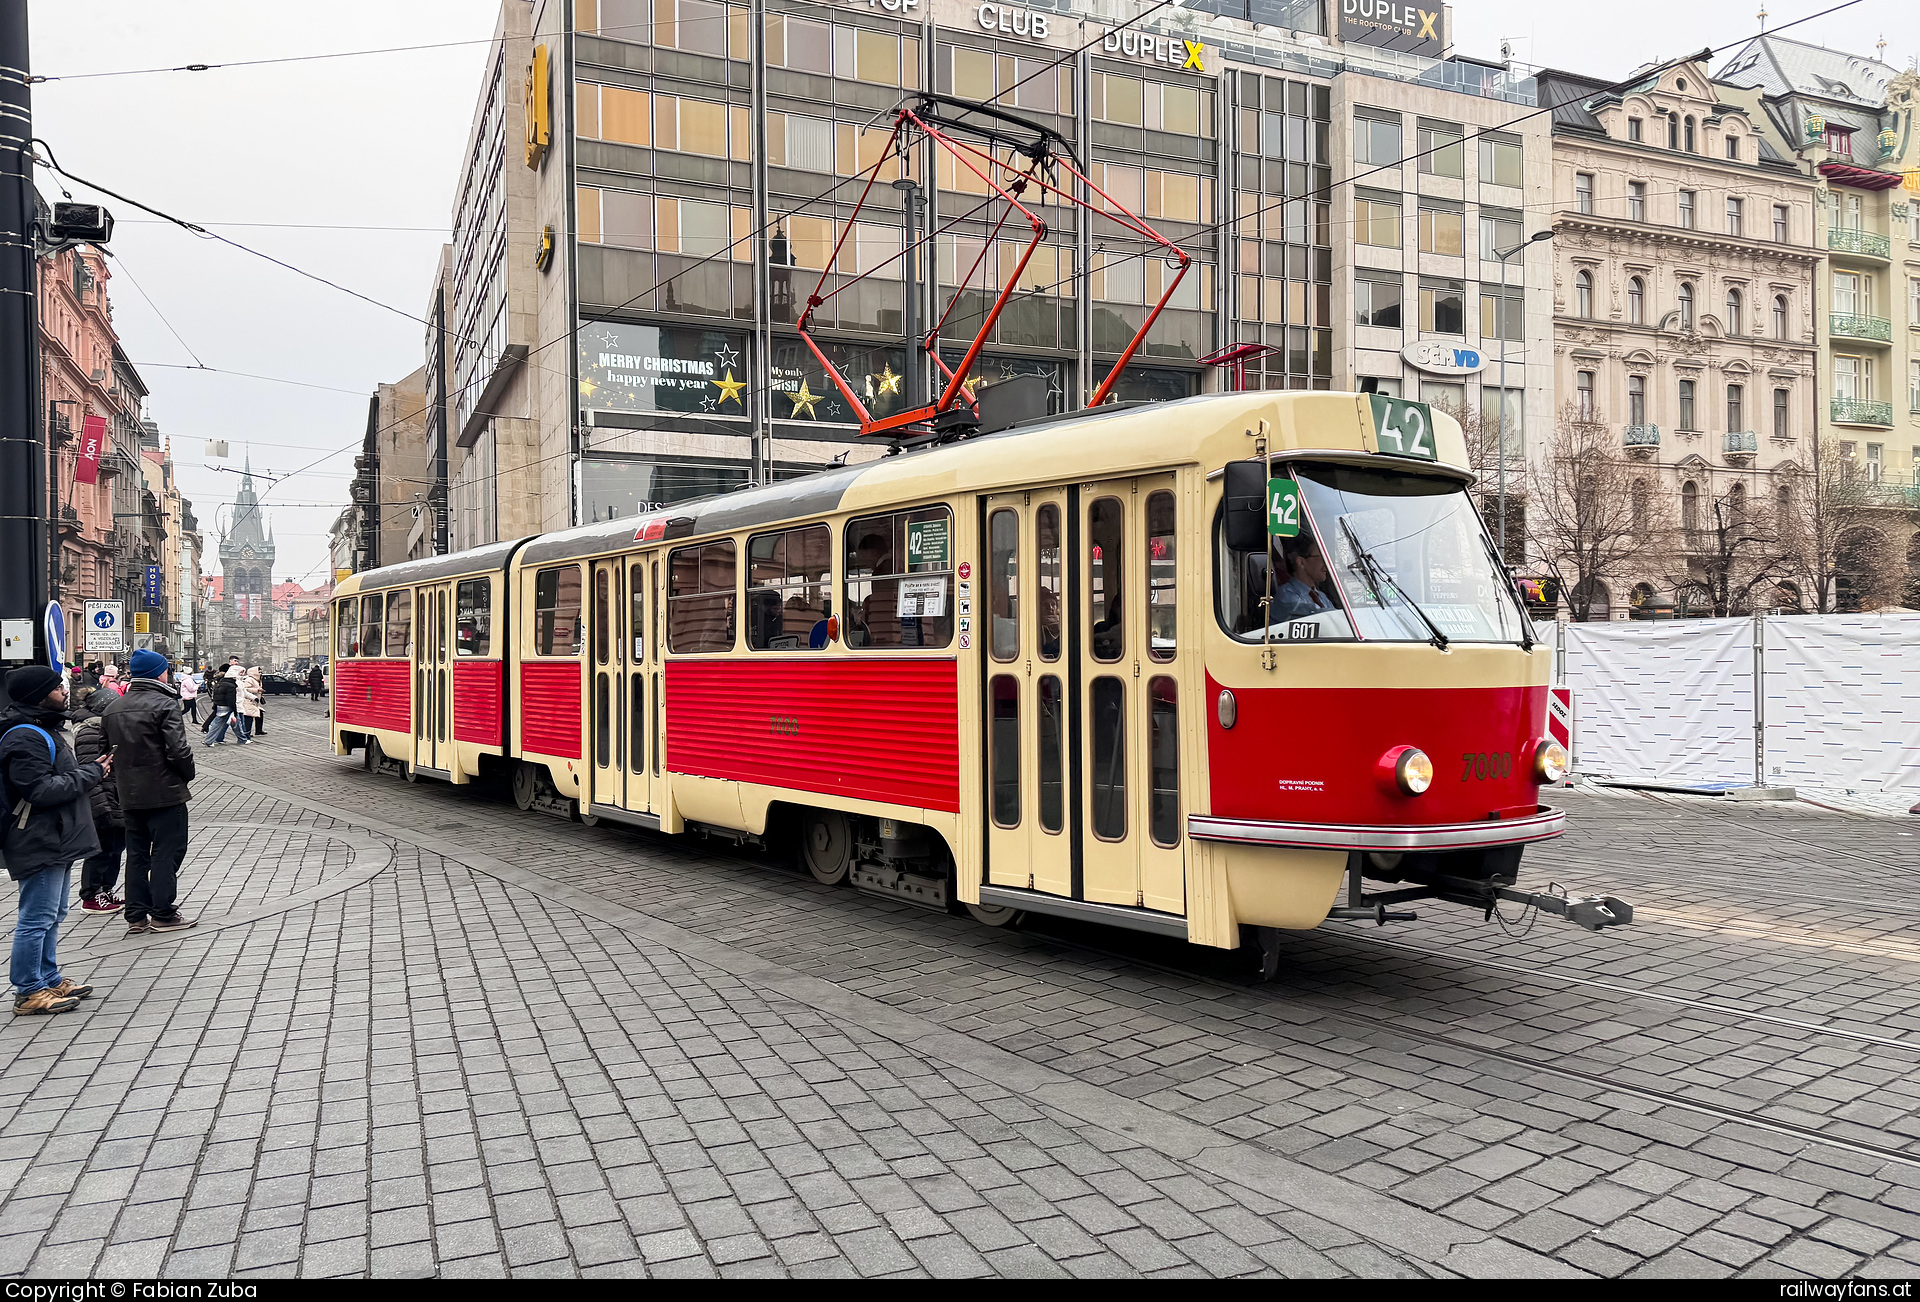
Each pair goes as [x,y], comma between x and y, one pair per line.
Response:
[420,1032]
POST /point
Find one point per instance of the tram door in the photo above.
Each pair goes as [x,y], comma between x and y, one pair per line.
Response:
[433,677]
[607,685]
[1127,656]
[1020,620]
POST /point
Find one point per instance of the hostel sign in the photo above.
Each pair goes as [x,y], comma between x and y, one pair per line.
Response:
[1391,25]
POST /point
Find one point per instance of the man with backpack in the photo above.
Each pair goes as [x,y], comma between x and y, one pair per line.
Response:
[101,872]
[47,825]
[155,763]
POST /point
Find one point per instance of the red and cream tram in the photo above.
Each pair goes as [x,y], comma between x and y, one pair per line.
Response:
[1241,660]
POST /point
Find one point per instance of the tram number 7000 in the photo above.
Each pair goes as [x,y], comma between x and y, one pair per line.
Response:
[1486,764]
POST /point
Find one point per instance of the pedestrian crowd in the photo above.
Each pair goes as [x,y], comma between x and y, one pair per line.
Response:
[97,771]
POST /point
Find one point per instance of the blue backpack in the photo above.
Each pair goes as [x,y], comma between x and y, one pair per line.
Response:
[18,815]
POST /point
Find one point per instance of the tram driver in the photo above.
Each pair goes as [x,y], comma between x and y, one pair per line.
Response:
[1306,593]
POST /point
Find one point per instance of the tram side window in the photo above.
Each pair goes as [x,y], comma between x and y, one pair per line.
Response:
[556,611]
[346,629]
[371,608]
[399,623]
[899,579]
[1051,591]
[1162,574]
[700,598]
[789,589]
[473,617]
[1003,584]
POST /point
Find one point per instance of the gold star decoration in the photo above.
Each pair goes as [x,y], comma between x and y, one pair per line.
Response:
[972,386]
[587,388]
[729,389]
[803,402]
[889,382]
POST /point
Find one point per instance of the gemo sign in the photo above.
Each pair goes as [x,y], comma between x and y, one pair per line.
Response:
[1444,359]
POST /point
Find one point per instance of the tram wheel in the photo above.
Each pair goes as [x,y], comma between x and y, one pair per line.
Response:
[409,770]
[826,845]
[371,759]
[582,817]
[526,785]
[996,915]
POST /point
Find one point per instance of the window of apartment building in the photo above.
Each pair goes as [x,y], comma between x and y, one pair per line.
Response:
[855,53]
[679,123]
[1583,394]
[1637,200]
[699,27]
[1636,129]
[1583,294]
[1913,299]
[1853,213]
[1442,230]
[1636,301]
[1781,226]
[1736,407]
[1376,140]
[1733,146]
[1376,222]
[1839,140]
[1781,422]
[1686,306]
[1441,148]
[1497,233]
[1583,191]
[1636,399]
[1736,215]
[1500,161]
[1779,316]
[800,142]
[1687,139]
[1736,317]
[1130,101]
[1852,293]
[1690,506]
[1497,318]
[1686,210]
[1673,131]
[1874,456]
[1443,307]
[1686,405]
[1852,378]
[1515,415]
[1377,301]
[1913,387]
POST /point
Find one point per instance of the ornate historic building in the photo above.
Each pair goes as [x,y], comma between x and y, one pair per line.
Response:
[243,619]
[1684,300]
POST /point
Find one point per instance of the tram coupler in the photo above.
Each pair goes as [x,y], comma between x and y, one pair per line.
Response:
[1590,911]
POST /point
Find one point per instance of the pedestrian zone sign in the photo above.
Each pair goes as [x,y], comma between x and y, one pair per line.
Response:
[106,626]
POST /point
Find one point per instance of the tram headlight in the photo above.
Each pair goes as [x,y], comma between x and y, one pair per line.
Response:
[1549,762]
[1407,769]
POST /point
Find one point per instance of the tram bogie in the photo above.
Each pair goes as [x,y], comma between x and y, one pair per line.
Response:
[1047,671]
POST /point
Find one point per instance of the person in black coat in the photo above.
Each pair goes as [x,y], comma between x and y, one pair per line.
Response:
[315,680]
[154,763]
[100,872]
[46,824]
[226,700]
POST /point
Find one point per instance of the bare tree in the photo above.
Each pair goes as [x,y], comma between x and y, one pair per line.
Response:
[1825,516]
[1731,551]
[1584,523]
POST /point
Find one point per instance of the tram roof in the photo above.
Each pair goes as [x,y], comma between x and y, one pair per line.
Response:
[474,560]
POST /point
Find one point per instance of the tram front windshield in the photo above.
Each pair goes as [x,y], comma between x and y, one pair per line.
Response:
[1379,557]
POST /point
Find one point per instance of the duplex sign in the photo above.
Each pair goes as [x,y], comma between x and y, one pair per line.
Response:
[1409,28]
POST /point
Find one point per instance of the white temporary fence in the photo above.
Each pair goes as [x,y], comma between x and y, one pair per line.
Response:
[1673,701]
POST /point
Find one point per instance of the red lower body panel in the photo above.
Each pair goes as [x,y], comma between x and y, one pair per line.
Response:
[550,708]
[1310,754]
[476,701]
[885,730]
[373,694]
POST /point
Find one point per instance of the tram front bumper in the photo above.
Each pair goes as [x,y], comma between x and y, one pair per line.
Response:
[1541,825]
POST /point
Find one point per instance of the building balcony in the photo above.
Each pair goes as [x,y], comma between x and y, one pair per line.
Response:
[1845,325]
[1640,441]
[1740,443]
[1891,491]
[1855,411]
[1863,244]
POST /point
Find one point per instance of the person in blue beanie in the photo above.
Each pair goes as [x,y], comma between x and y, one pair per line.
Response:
[152,765]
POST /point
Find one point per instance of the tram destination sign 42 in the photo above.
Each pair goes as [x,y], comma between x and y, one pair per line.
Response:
[1402,428]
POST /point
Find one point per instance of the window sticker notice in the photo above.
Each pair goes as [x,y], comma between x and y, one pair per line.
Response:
[923,598]
[927,544]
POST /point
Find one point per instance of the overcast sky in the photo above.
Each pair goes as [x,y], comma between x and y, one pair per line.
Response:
[359,144]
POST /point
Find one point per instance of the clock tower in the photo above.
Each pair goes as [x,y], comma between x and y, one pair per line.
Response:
[246,569]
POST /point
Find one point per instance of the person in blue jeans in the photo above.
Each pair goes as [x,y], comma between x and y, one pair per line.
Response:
[46,823]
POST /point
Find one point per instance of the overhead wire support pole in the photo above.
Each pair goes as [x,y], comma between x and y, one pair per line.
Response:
[27,558]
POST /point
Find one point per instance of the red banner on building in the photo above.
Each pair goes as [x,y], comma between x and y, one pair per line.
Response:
[93,437]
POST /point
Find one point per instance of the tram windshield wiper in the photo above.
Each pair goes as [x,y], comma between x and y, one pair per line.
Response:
[1376,576]
[1513,591]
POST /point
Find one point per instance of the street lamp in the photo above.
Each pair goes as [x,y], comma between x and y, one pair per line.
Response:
[1502,255]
